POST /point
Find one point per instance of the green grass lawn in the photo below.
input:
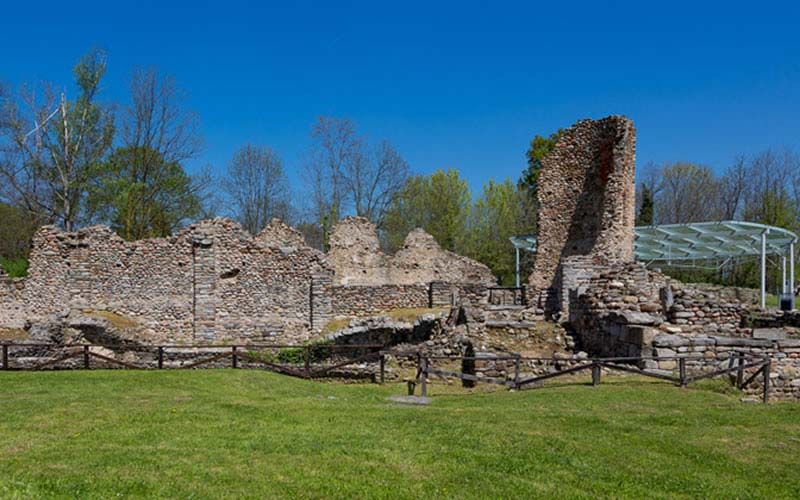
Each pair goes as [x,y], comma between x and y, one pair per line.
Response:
[235,433]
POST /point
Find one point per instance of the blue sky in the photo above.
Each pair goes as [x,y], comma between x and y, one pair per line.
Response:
[451,84]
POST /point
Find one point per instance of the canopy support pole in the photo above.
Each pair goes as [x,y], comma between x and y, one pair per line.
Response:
[791,271]
[783,274]
[764,269]
[517,265]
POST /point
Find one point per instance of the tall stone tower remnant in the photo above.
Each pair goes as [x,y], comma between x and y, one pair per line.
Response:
[586,197]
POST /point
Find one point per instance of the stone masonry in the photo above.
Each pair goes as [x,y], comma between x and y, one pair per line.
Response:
[213,281]
[586,198]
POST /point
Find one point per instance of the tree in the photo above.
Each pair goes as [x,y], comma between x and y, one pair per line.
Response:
[439,203]
[539,148]
[142,195]
[687,193]
[374,183]
[51,150]
[344,175]
[645,217]
[336,150]
[143,190]
[499,213]
[257,187]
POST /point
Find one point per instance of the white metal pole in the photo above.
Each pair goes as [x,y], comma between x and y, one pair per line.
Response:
[517,267]
[783,275]
[764,270]
[791,271]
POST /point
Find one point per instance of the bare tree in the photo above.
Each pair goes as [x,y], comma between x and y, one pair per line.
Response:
[257,187]
[344,175]
[158,119]
[687,193]
[51,147]
[374,183]
[733,186]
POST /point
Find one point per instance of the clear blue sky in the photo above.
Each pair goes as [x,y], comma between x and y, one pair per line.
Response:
[457,84]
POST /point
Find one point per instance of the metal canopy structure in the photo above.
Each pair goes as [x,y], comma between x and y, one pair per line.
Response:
[695,241]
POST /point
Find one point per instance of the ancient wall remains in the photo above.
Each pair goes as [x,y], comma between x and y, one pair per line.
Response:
[356,258]
[586,198]
[628,310]
[213,281]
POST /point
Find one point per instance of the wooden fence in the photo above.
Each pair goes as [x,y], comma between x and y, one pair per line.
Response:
[736,366]
[305,361]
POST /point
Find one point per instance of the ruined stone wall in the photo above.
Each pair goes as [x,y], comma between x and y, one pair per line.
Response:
[359,301]
[211,281]
[357,259]
[586,197]
[627,310]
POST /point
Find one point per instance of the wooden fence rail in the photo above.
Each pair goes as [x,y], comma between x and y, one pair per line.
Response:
[340,356]
[738,362]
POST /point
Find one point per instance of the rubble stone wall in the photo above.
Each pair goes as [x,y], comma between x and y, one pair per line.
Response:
[627,310]
[213,281]
[586,194]
[356,258]
[359,301]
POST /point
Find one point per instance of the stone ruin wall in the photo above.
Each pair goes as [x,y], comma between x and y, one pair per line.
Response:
[212,281]
[628,310]
[357,259]
[586,195]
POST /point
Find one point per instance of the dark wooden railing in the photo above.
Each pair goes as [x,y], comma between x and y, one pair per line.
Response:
[307,360]
[737,365]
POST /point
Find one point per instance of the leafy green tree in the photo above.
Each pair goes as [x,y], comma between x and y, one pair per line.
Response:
[142,195]
[499,213]
[540,147]
[53,148]
[645,217]
[438,203]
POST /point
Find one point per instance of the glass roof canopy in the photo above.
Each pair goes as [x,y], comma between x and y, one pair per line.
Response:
[710,240]
[694,241]
[698,241]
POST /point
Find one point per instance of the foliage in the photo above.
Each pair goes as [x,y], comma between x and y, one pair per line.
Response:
[249,433]
[438,203]
[317,352]
[502,211]
[645,217]
[16,267]
[142,195]
[16,230]
[540,147]
[52,149]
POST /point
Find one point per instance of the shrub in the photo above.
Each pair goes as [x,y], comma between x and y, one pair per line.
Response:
[16,267]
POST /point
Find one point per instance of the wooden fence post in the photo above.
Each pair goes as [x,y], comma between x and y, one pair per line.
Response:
[86,357]
[682,371]
[766,380]
[234,358]
[383,368]
[160,357]
[740,370]
[595,374]
[5,357]
[423,376]
[516,372]
[307,361]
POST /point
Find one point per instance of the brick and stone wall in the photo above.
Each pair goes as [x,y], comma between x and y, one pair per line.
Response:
[359,301]
[628,310]
[213,281]
[357,259]
[586,198]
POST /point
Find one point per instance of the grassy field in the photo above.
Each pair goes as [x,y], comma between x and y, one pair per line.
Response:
[234,433]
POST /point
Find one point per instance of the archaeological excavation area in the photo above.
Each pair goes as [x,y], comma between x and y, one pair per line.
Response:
[270,300]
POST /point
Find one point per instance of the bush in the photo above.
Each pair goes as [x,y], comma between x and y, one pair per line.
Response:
[296,355]
[15,268]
